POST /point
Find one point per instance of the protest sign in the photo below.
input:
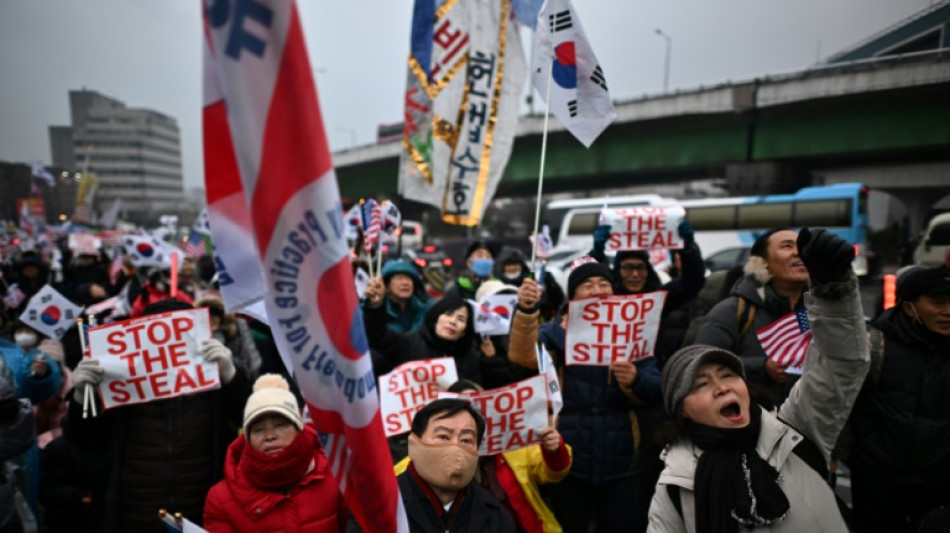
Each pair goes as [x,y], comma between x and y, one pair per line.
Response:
[643,228]
[154,357]
[514,414]
[410,386]
[601,331]
[82,243]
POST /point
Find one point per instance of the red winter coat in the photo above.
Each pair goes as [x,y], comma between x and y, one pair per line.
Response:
[313,505]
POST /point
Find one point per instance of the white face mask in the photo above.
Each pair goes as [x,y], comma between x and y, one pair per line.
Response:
[24,339]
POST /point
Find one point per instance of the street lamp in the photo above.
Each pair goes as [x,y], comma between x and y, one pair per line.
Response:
[666,68]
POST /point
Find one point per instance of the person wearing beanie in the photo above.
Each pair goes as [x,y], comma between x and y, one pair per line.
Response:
[438,486]
[774,281]
[732,465]
[162,454]
[634,274]
[598,420]
[276,476]
[406,297]
[900,425]
[479,263]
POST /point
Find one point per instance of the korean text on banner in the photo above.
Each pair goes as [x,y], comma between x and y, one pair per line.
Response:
[644,228]
[601,331]
[154,357]
[514,415]
[465,78]
[409,387]
[265,124]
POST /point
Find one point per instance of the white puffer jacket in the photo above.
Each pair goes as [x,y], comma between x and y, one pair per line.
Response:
[817,408]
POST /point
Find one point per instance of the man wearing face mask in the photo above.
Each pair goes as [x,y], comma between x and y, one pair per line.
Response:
[512,268]
[437,488]
[479,261]
[900,454]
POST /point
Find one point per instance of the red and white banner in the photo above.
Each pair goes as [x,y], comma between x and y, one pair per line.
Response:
[154,357]
[643,228]
[514,415]
[263,122]
[601,331]
[409,387]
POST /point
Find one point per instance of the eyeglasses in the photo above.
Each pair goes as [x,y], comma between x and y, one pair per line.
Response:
[630,267]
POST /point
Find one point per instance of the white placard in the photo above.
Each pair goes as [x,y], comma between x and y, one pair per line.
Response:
[409,387]
[601,331]
[514,415]
[643,228]
[154,357]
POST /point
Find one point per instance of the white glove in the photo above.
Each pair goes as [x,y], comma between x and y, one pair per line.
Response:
[213,350]
[87,372]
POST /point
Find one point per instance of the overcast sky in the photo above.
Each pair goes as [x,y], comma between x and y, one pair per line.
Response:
[147,53]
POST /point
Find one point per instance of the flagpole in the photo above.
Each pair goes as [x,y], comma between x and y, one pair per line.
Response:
[544,150]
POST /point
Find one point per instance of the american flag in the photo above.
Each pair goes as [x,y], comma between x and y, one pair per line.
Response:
[194,245]
[786,340]
[373,222]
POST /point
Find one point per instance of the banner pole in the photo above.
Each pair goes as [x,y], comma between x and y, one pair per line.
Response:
[544,150]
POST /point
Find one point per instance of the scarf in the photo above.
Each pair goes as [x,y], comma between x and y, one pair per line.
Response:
[733,485]
[274,472]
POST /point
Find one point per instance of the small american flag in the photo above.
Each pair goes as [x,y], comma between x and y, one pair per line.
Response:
[194,245]
[786,340]
[373,222]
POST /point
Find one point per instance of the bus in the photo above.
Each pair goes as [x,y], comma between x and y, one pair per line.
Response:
[723,223]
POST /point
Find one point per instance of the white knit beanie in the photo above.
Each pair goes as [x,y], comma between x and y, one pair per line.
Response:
[271,396]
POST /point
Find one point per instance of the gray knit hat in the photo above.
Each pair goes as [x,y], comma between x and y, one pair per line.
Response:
[680,372]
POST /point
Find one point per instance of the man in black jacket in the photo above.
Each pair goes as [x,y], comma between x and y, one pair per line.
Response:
[900,456]
[437,488]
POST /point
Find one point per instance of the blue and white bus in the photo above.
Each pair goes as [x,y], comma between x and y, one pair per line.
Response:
[723,223]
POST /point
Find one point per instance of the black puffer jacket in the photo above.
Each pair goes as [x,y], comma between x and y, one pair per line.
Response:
[721,329]
[901,420]
[478,511]
[162,454]
[392,348]
[16,437]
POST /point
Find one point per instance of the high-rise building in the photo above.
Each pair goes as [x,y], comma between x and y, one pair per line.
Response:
[134,153]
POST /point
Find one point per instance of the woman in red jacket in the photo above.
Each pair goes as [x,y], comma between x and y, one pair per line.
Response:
[276,477]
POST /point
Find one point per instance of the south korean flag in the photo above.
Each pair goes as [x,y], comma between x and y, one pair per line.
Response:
[50,313]
[147,251]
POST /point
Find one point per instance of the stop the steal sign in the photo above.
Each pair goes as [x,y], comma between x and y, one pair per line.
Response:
[153,357]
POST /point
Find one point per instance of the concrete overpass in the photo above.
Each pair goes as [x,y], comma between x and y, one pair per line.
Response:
[881,121]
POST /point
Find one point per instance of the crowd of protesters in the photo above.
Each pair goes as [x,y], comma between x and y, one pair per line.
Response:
[709,434]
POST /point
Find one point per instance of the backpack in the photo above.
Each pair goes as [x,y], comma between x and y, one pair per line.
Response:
[745,316]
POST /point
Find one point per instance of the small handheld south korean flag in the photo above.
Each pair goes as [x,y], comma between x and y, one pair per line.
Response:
[147,251]
[50,313]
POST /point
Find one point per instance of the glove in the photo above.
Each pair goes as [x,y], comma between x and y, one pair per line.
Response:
[213,350]
[87,372]
[601,234]
[685,230]
[9,409]
[826,256]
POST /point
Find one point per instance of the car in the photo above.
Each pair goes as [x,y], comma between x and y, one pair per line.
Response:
[727,258]
[932,249]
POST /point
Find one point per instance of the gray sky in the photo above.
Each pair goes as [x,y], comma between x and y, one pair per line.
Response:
[147,53]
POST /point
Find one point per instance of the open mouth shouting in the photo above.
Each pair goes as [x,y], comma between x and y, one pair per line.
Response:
[732,412]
